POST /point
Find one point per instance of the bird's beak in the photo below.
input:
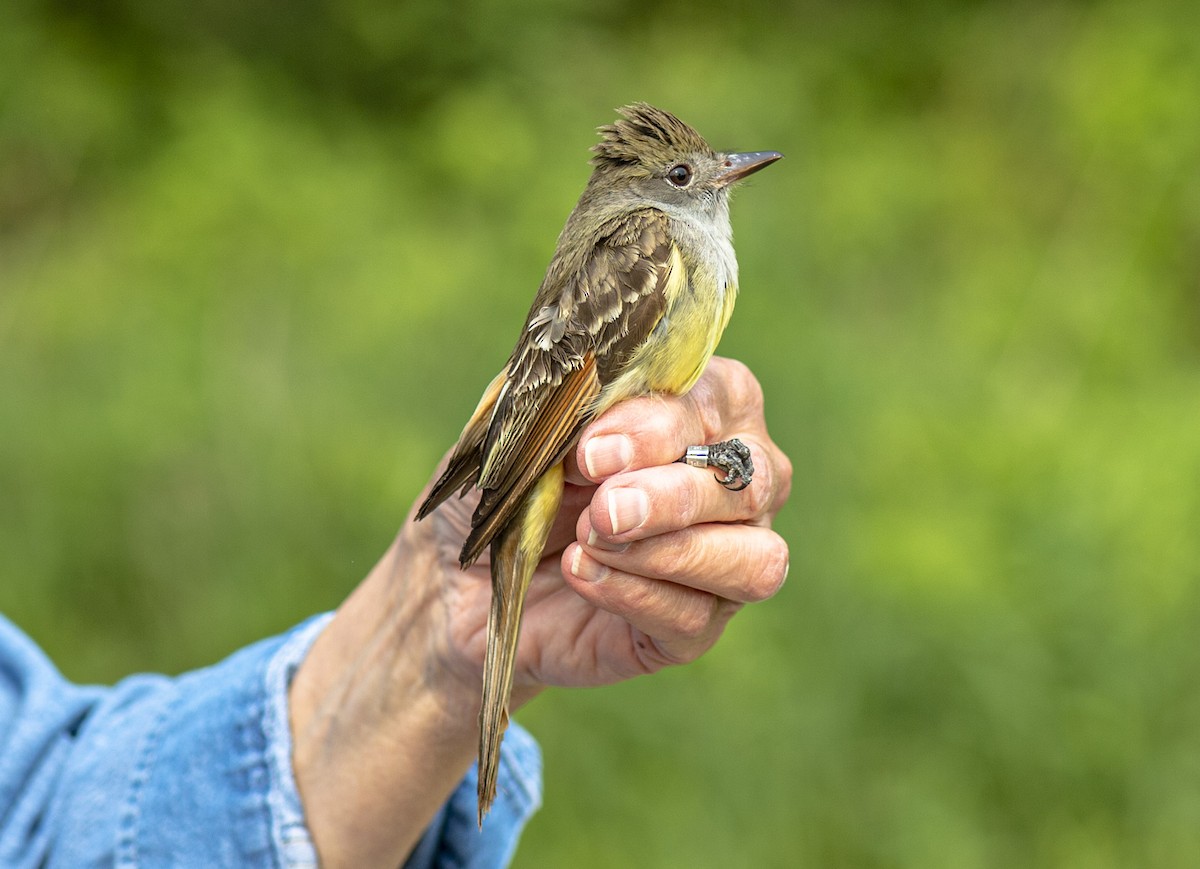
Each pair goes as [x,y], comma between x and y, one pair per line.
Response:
[738,166]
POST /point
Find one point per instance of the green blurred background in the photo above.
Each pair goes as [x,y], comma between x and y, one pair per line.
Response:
[237,239]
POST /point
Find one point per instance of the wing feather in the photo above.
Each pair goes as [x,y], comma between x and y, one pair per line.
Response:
[547,442]
[462,470]
[584,327]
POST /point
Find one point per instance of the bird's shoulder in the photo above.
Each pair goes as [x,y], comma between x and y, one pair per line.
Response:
[607,290]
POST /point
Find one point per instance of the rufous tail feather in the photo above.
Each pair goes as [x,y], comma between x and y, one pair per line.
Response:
[516,551]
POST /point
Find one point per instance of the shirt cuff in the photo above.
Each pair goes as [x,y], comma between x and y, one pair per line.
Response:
[196,771]
[293,844]
[452,838]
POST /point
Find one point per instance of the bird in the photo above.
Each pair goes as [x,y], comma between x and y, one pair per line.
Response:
[639,289]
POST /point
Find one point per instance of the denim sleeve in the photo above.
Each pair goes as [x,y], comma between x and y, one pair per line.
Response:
[194,771]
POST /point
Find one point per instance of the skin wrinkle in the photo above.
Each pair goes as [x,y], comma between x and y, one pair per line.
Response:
[669,656]
[443,599]
[780,569]
[692,498]
[773,563]
[686,547]
[662,601]
[760,500]
[649,654]
[681,554]
[693,621]
[703,631]
[689,497]
[325,725]
[404,606]
[614,670]
[705,400]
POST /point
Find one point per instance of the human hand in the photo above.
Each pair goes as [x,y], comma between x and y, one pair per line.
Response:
[649,559]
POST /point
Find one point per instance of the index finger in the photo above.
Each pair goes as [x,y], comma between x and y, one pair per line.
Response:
[656,429]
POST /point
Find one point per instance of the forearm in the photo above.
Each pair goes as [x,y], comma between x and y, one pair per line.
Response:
[202,769]
[381,734]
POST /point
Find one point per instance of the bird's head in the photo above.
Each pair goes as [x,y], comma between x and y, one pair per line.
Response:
[653,155]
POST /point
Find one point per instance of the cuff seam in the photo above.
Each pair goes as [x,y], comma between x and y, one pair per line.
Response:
[289,831]
[147,755]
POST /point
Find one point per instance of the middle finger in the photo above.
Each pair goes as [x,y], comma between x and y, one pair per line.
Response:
[651,501]
[744,563]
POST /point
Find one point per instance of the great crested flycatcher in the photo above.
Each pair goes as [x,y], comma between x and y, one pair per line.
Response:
[640,288]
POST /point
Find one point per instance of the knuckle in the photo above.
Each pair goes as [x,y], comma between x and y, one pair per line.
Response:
[785,471]
[657,422]
[688,500]
[745,390]
[626,598]
[760,492]
[704,404]
[784,490]
[772,484]
[689,555]
[691,623]
[682,553]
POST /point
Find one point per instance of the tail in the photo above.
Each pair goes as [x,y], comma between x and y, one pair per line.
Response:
[516,551]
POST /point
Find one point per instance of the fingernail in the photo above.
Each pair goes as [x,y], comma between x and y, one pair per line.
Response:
[627,509]
[586,567]
[607,455]
[595,542]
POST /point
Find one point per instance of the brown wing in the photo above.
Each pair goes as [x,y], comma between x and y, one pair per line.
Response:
[570,348]
[463,468]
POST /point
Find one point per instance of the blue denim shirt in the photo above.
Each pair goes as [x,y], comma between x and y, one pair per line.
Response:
[194,771]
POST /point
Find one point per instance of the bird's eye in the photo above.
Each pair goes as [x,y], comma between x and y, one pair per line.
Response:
[680,175]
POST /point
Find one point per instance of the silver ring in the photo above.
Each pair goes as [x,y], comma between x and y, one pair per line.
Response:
[697,457]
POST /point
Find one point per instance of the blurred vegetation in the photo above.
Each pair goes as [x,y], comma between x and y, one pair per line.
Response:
[236,239]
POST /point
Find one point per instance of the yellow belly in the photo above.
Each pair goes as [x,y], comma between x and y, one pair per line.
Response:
[674,356]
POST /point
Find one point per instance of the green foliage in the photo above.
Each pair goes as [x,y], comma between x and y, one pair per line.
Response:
[236,239]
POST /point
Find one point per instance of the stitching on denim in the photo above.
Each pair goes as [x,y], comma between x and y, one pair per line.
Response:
[289,832]
[131,812]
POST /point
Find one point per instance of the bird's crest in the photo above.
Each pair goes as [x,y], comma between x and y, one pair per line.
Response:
[645,134]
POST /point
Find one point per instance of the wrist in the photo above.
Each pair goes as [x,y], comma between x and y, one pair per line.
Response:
[379,733]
